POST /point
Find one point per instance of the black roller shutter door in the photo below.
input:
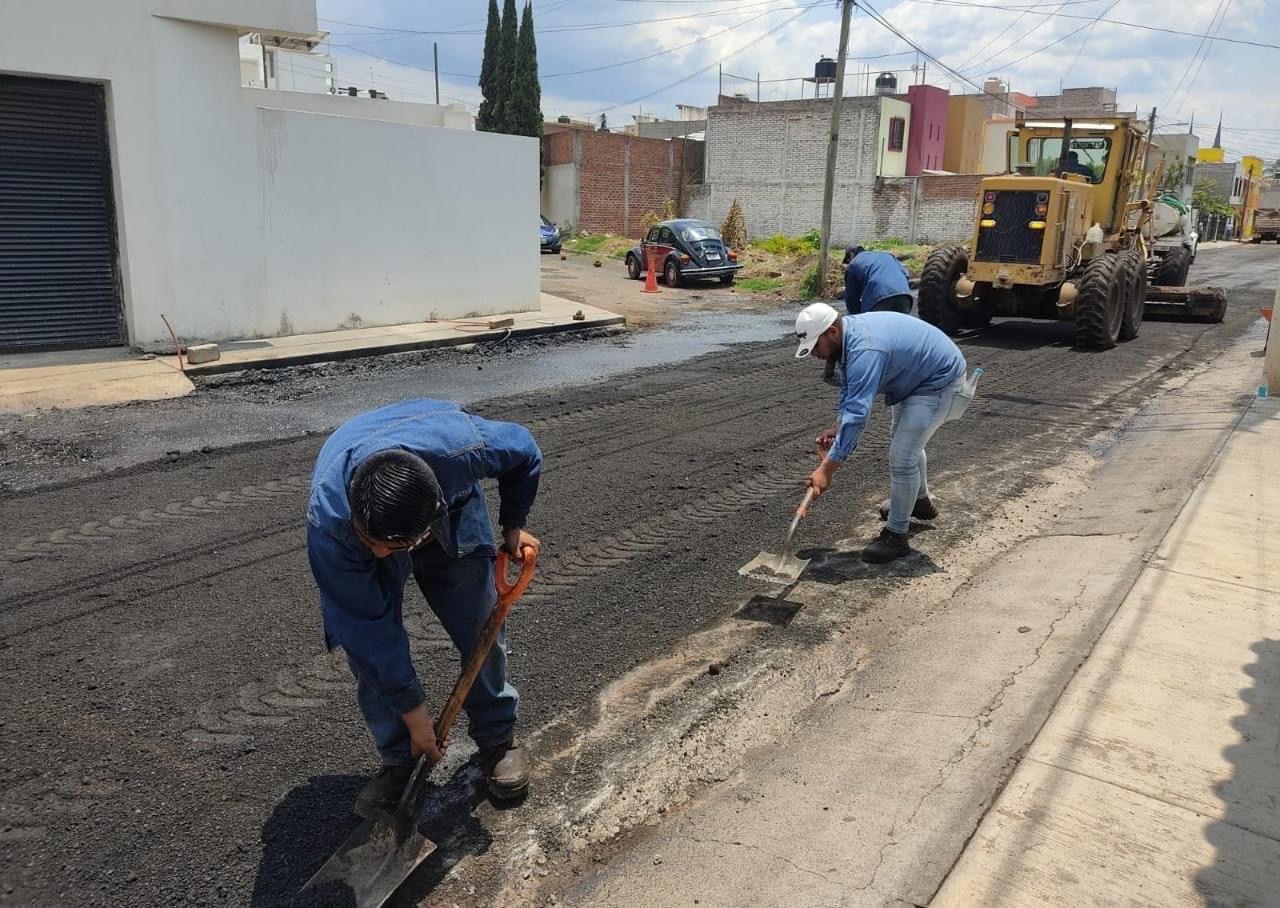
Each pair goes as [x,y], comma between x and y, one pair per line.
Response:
[59,279]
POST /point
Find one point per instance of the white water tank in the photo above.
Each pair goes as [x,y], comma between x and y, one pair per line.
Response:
[1165,219]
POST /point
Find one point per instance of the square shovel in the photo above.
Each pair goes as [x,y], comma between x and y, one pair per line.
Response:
[381,853]
[784,568]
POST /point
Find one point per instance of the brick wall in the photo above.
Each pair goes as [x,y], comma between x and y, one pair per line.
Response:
[772,156]
[557,148]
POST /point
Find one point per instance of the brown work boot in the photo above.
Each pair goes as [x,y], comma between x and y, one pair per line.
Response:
[382,793]
[887,547]
[925,509]
[508,768]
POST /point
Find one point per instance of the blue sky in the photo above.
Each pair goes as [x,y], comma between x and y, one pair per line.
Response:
[389,43]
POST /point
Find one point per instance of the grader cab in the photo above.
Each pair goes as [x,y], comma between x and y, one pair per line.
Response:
[1064,235]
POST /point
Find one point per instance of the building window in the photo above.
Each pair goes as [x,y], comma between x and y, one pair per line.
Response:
[897,132]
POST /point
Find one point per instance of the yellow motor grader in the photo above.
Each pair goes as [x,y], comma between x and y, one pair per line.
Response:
[1065,235]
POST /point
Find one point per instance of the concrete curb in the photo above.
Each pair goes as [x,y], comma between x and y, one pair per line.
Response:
[379,349]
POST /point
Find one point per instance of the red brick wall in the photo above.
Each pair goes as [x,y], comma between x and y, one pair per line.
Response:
[557,148]
[960,186]
[623,177]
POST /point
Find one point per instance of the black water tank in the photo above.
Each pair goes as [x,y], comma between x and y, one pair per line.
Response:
[824,70]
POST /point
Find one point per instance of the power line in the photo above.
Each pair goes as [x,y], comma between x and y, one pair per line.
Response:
[987,63]
[1080,49]
[1199,47]
[1207,51]
[693,75]
[1139,25]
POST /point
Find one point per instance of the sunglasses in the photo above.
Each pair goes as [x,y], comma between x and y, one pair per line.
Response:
[394,546]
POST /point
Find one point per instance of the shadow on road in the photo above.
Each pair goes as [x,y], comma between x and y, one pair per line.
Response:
[1252,790]
[835,567]
[1021,334]
[315,818]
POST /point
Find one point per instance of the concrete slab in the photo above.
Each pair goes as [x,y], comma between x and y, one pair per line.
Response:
[1156,776]
[1059,838]
[556,314]
[84,378]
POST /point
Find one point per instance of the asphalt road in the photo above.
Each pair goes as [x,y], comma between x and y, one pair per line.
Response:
[172,730]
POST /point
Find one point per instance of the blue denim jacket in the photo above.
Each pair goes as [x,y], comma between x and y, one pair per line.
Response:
[893,354]
[361,596]
[872,277]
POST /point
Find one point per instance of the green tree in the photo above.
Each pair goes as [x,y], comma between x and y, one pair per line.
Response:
[505,68]
[490,87]
[526,93]
[1208,200]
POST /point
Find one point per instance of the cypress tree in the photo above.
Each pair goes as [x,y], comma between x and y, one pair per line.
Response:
[526,93]
[490,88]
[505,70]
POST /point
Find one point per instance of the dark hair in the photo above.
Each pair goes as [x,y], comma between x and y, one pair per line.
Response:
[850,253]
[394,496]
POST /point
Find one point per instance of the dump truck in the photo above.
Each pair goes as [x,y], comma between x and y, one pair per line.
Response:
[1065,235]
[1266,225]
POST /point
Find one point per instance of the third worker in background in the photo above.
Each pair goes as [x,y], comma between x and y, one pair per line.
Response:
[873,282]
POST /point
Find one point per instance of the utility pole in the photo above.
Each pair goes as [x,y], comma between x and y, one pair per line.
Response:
[833,144]
[435,56]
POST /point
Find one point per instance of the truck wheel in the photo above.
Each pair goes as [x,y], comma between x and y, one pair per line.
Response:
[1172,269]
[1100,305]
[1134,275]
[945,266]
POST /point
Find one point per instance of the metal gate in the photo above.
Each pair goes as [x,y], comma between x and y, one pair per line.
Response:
[59,277]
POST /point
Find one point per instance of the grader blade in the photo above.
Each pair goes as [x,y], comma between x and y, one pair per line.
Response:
[1195,304]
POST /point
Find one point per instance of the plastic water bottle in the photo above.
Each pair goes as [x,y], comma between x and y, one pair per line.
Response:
[1262,392]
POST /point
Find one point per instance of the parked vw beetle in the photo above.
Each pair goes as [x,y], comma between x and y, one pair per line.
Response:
[550,235]
[688,250]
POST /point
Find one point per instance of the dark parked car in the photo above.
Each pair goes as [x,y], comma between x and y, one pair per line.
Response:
[687,250]
[550,236]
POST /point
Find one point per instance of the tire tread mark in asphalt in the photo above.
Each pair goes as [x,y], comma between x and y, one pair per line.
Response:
[268,704]
[95,532]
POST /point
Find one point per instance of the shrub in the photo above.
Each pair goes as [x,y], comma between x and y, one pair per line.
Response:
[734,228]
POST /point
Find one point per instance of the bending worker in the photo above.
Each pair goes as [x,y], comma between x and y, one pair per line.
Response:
[919,371]
[397,492]
[873,282]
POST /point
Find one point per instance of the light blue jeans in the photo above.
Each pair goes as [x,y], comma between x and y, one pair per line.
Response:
[911,424]
[461,593]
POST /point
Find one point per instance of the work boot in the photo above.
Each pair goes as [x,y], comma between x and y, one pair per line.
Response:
[382,793]
[889,546]
[925,509]
[508,768]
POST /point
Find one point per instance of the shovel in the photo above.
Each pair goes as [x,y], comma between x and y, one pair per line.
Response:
[784,568]
[381,853]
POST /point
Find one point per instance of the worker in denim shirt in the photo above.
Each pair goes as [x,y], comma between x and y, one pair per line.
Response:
[873,282]
[918,370]
[397,492]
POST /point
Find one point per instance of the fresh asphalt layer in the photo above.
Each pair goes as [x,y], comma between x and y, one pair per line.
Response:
[173,730]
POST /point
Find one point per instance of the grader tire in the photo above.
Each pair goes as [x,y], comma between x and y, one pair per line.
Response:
[1172,269]
[944,267]
[1135,282]
[1100,305]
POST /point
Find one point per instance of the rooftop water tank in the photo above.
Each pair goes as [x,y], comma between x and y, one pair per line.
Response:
[886,84]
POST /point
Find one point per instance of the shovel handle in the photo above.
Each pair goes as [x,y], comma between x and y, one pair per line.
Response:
[508,594]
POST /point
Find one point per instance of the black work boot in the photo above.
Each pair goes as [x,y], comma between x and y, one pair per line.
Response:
[887,547]
[382,793]
[925,509]
[508,768]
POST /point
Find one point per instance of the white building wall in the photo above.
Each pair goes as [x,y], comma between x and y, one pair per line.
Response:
[213,230]
[560,195]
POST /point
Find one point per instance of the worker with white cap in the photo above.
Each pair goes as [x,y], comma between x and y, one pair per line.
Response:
[922,376]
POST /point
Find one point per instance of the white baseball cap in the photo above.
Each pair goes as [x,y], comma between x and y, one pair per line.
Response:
[813,319]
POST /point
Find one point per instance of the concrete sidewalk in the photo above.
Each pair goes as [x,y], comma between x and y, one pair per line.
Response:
[83,378]
[1156,779]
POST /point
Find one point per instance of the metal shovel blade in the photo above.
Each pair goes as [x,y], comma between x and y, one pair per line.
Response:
[784,568]
[369,867]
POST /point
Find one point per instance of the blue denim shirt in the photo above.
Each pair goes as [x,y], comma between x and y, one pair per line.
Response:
[892,354]
[872,277]
[361,596]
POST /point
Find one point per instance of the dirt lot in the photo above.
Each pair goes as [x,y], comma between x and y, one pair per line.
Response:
[173,731]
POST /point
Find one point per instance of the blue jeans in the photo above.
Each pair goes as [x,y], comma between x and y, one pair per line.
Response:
[912,424]
[461,593]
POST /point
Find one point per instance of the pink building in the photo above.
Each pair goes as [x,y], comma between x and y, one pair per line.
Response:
[928,132]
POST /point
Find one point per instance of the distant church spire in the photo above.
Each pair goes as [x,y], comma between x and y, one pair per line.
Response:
[1217,138]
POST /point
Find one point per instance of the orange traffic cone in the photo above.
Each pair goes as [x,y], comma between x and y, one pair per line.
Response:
[651,273]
